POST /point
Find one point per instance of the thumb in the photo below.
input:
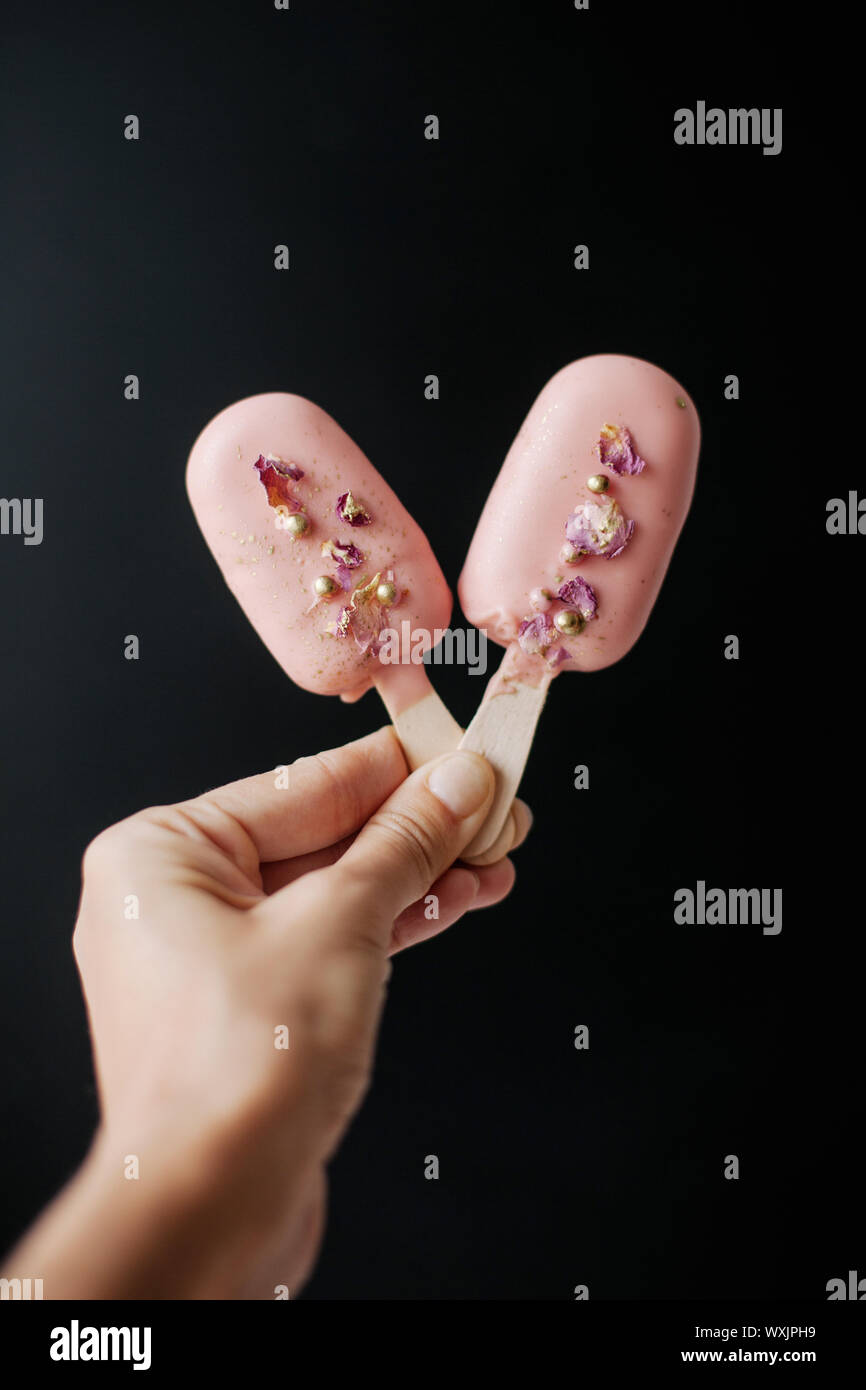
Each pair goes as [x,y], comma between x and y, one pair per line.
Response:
[417,833]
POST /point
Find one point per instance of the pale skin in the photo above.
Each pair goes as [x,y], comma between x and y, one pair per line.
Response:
[261,910]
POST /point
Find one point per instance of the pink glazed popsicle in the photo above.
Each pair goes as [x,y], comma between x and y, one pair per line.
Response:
[574,542]
[334,575]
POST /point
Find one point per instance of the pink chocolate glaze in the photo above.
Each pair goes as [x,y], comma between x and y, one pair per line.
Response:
[271,574]
[517,543]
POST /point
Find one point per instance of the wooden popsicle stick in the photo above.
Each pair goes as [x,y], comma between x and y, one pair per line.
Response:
[502,730]
[424,725]
[426,729]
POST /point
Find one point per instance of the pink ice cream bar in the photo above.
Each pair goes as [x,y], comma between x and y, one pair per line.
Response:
[325,561]
[574,541]
[592,496]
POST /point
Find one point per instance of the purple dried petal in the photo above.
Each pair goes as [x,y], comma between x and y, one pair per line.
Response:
[368,615]
[340,626]
[344,552]
[617,452]
[352,512]
[289,470]
[626,537]
[276,477]
[348,558]
[537,633]
[364,616]
[580,595]
[599,528]
[556,657]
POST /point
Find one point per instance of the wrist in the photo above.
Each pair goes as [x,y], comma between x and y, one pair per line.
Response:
[168,1226]
[112,1234]
[196,1219]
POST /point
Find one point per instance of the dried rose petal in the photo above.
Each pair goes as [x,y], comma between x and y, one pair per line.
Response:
[290,470]
[347,556]
[599,528]
[352,512]
[536,634]
[344,553]
[556,656]
[339,627]
[277,478]
[364,616]
[580,595]
[368,615]
[617,452]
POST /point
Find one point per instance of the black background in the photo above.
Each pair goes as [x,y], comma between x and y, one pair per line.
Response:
[410,257]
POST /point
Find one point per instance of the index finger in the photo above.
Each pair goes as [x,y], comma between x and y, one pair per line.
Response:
[314,801]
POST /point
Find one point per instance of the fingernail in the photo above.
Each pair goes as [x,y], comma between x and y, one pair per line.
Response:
[462,782]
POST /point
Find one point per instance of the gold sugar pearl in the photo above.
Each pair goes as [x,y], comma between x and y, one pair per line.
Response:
[325,585]
[386,592]
[598,483]
[569,622]
[297,524]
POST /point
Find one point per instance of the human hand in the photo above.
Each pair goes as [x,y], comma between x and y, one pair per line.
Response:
[265,917]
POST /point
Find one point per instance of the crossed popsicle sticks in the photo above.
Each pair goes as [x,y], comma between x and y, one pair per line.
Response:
[563,570]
